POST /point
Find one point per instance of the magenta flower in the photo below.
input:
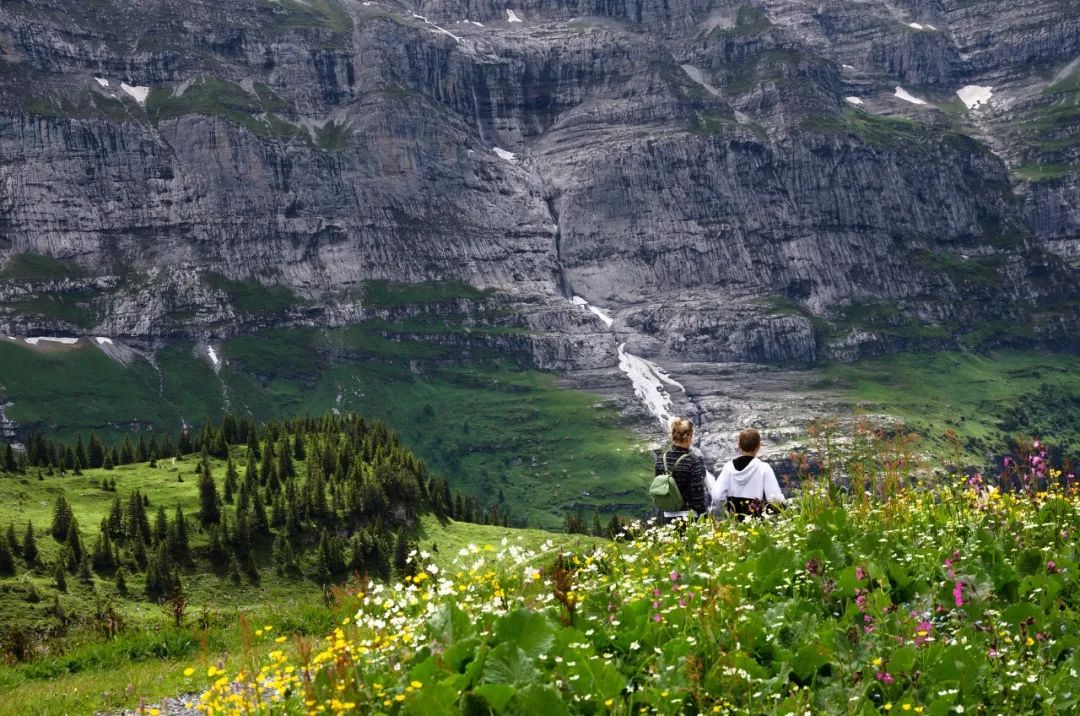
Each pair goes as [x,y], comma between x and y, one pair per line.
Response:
[860,573]
[1052,567]
[884,677]
[922,632]
[958,594]
[674,576]
[656,617]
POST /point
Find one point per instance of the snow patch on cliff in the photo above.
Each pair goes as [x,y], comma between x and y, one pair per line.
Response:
[435,27]
[138,93]
[51,339]
[503,154]
[511,16]
[101,81]
[698,76]
[101,340]
[212,354]
[974,95]
[853,100]
[907,97]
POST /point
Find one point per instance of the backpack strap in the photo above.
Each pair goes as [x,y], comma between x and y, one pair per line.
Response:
[677,461]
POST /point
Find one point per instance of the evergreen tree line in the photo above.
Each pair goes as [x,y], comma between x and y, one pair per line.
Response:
[350,508]
[47,453]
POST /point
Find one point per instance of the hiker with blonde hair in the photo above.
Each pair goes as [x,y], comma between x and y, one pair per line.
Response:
[746,487]
[687,468]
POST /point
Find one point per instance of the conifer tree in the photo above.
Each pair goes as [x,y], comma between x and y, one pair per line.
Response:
[29,546]
[161,525]
[328,562]
[260,526]
[209,502]
[142,453]
[108,461]
[62,517]
[219,446]
[115,521]
[231,480]
[121,581]
[103,551]
[180,542]
[7,557]
[251,472]
[86,575]
[284,558]
[286,469]
[138,554]
[127,452]
[10,464]
[77,466]
[95,452]
[59,578]
[253,443]
[80,453]
[13,539]
[241,536]
[216,552]
[277,512]
[137,524]
[299,447]
[75,549]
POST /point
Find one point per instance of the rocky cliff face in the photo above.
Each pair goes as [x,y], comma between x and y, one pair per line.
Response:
[777,180]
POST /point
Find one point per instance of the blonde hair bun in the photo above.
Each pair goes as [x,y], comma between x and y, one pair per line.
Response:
[681,429]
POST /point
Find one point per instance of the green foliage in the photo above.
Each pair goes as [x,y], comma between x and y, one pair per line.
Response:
[74,307]
[37,268]
[749,20]
[252,297]
[935,597]
[978,396]
[885,132]
[1045,172]
[324,15]
[218,98]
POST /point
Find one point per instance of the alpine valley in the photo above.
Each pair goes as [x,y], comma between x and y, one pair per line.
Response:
[524,232]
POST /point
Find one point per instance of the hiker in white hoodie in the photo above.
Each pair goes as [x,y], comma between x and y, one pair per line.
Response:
[746,486]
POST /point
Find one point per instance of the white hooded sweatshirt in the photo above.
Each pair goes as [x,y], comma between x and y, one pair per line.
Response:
[756,481]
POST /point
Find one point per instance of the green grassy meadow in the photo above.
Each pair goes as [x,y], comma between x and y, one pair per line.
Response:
[82,671]
[985,398]
[499,432]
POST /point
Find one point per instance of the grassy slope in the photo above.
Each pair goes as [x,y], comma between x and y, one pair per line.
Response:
[147,661]
[979,397]
[490,427]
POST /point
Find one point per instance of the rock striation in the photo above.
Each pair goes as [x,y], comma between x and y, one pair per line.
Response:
[696,167]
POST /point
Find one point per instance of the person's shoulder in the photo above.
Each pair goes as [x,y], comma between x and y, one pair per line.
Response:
[764,465]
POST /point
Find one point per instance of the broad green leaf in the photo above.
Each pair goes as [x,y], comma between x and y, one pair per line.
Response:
[450,624]
[459,654]
[538,700]
[509,664]
[530,630]
[497,695]
[433,699]
[903,659]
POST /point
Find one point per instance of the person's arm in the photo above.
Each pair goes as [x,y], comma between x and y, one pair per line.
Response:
[720,488]
[773,493]
[697,475]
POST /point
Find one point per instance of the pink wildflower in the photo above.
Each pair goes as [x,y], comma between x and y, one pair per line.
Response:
[656,617]
[674,576]
[884,677]
[958,594]
[860,573]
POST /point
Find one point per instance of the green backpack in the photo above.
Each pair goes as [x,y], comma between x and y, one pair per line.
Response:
[665,493]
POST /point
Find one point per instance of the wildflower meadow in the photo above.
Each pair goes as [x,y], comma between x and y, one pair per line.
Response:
[880,592]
